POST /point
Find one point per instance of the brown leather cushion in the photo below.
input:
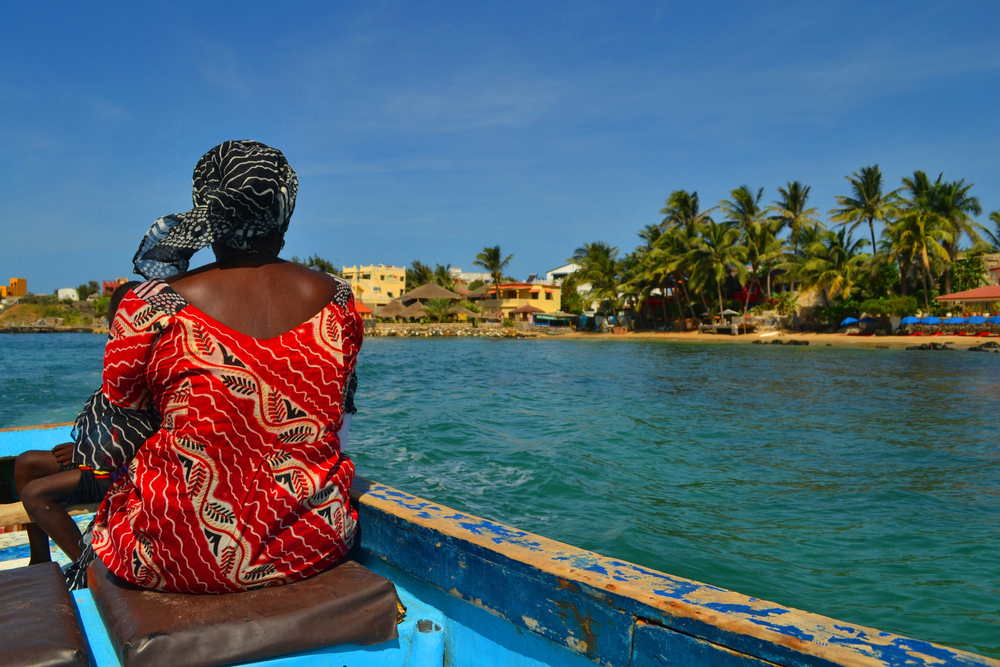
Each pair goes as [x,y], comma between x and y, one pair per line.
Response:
[347,604]
[38,625]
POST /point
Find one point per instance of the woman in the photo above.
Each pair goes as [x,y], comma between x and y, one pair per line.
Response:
[248,362]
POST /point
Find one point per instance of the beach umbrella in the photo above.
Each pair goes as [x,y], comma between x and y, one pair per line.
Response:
[729,311]
[977,319]
[868,320]
[910,319]
[849,320]
[931,320]
[995,319]
[955,320]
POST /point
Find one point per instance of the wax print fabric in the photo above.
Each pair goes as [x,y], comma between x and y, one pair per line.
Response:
[242,190]
[244,485]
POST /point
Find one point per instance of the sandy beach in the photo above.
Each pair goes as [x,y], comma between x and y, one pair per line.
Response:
[814,339]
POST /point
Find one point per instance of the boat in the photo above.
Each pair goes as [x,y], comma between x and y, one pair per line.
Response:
[479,592]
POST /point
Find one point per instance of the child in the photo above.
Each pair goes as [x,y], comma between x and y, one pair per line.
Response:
[48,481]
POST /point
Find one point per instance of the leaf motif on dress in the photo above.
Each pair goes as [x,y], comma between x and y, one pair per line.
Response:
[239,384]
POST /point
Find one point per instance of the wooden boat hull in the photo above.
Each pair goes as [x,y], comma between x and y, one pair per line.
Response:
[502,596]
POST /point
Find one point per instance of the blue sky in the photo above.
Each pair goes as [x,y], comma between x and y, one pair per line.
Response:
[429,130]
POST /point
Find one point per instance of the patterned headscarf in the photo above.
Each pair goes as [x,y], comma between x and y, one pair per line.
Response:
[242,190]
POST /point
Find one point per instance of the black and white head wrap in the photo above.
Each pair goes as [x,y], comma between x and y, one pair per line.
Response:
[242,190]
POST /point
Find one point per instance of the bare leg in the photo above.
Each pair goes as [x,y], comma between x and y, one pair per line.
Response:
[28,467]
[41,498]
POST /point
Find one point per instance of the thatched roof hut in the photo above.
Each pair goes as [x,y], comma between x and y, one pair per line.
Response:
[392,309]
[462,310]
[428,291]
[527,309]
[413,310]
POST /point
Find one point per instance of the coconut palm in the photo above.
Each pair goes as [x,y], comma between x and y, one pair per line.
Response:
[834,263]
[745,213]
[954,204]
[920,235]
[438,310]
[791,211]
[493,261]
[649,234]
[418,274]
[683,210]
[990,237]
[600,267]
[668,263]
[442,277]
[868,202]
[714,254]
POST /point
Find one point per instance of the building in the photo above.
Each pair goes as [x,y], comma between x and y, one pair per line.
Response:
[460,276]
[558,274]
[70,293]
[17,287]
[547,298]
[375,285]
[108,287]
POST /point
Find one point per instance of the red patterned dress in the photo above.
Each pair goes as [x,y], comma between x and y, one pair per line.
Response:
[244,484]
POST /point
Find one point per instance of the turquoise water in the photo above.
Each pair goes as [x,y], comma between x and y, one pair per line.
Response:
[859,484]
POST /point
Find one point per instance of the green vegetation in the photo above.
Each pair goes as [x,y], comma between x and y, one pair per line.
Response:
[318,263]
[709,260]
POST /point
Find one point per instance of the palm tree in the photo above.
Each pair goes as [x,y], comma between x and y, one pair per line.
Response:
[438,310]
[683,210]
[745,213]
[649,234]
[442,277]
[921,235]
[954,204]
[669,266]
[492,260]
[418,274]
[867,204]
[993,238]
[600,267]
[716,252]
[834,263]
[790,211]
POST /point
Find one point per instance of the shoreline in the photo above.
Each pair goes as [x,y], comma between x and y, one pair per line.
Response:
[814,339]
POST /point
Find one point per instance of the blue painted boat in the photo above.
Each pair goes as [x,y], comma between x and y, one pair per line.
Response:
[501,596]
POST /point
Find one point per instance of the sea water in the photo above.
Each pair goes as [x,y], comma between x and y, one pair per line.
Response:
[856,483]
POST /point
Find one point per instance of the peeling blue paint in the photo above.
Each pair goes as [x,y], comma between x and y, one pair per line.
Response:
[501,534]
[679,592]
[745,609]
[790,630]
[844,628]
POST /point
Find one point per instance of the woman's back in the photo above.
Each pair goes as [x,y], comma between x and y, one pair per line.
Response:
[257,295]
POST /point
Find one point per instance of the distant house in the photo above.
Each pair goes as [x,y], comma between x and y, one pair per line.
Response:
[17,287]
[64,293]
[547,298]
[377,284]
[108,287]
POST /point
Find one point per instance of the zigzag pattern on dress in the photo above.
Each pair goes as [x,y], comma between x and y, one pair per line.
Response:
[244,484]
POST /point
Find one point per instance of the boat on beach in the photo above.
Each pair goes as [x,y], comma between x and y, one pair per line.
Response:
[482,593]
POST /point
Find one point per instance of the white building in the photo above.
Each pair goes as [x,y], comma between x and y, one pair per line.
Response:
[468,276]
[64,293]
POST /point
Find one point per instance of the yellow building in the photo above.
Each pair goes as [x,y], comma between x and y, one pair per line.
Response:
[376,285]
[547,298]
[18,287]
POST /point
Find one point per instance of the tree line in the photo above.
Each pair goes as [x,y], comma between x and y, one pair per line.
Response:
[929,243]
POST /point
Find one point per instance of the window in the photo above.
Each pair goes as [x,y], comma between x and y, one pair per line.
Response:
[390,294]
[381,277]
[548,296]
[366,276]
[534,295]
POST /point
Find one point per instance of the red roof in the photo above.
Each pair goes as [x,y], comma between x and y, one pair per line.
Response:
[362,308]
[989,293]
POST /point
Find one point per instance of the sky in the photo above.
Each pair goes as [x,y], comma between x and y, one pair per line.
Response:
[430,130]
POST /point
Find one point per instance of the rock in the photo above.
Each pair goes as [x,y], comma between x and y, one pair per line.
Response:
[773,342]
[797,342]
[757,342]
[881,347]
[941,346]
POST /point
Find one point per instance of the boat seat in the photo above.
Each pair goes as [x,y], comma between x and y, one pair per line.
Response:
[347,604]
[38,623]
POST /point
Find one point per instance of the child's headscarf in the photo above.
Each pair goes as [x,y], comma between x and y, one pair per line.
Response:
[242,190]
